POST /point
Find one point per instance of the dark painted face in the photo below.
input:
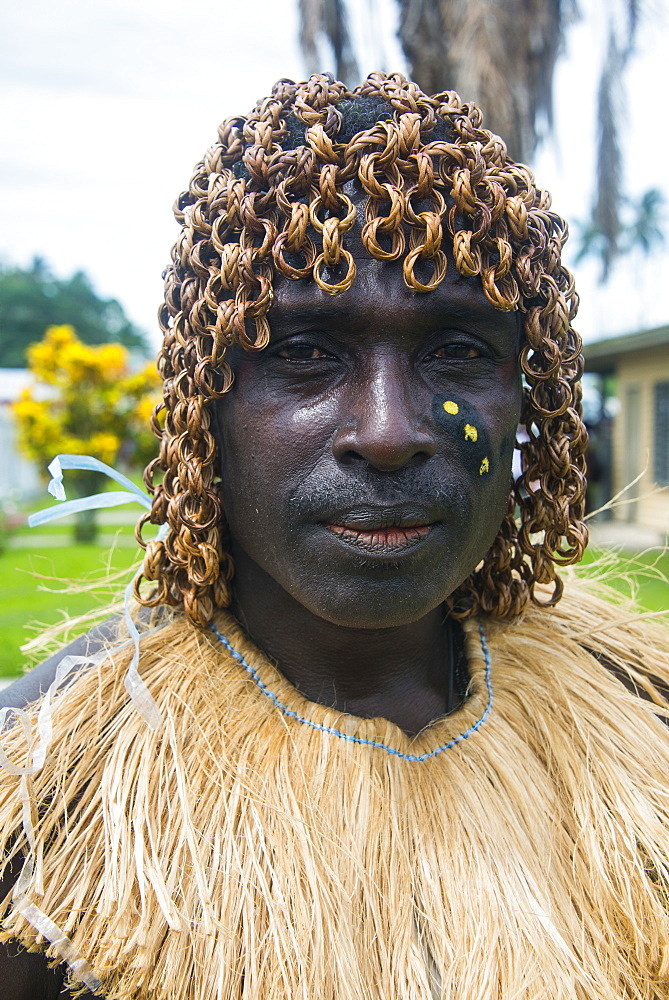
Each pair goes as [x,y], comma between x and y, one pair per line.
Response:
[366,452]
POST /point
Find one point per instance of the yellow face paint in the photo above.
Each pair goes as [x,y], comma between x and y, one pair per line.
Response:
[485,466]
[451,407]
[471,434]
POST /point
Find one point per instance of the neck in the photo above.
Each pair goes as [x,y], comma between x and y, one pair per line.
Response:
[399,673]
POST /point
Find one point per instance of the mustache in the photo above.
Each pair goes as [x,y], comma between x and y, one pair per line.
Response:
[330,492]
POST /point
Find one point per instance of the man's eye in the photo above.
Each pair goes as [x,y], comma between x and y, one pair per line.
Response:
[301,352]
[457,352]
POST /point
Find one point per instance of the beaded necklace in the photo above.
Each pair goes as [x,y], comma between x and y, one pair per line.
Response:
[290,713]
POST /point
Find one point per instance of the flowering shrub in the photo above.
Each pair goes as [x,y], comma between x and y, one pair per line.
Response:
[93,406]
[86,401]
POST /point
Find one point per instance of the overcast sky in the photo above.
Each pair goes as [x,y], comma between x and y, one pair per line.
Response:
[106,107]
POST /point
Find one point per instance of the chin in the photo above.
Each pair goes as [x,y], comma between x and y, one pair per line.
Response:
[354,591]
[372,606]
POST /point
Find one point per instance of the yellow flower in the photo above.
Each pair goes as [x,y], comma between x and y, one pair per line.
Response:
[144,409]
[95,405]
[104,446]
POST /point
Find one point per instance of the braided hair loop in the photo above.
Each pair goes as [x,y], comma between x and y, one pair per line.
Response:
[269,198]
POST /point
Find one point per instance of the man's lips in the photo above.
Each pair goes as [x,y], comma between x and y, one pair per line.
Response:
[394,538]
[381,529]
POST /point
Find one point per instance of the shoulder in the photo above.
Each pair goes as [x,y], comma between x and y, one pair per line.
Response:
[37,681]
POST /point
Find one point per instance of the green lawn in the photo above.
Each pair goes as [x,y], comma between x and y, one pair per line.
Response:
[32,589]
[643,576]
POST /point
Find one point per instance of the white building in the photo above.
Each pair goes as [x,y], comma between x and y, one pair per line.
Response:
[638,366]
[19,477]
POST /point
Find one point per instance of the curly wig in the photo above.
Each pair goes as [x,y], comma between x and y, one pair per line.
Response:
[269,198]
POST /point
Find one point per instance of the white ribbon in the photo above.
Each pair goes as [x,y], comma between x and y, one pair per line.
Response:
[142,698]
[60,941]
[85,463]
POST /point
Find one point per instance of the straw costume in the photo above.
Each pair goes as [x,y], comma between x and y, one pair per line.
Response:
[249,843]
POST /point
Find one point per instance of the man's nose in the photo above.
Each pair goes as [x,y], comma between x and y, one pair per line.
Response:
[384,424]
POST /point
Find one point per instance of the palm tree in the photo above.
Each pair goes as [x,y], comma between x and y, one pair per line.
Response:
[501,54]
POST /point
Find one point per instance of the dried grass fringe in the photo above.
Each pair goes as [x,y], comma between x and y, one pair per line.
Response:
[237,853]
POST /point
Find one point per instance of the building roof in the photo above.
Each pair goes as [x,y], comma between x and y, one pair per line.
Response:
[601,355]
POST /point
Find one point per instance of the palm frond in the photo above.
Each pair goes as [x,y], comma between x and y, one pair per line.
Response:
[311,16]
[606,212]
[327,20]
[608,202]
[645,230]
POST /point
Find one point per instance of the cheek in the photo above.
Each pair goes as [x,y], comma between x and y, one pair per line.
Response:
[483,449]
[245,466]
[265,454]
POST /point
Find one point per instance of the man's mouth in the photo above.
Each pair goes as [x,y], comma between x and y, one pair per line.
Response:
[382,531]
[387,540]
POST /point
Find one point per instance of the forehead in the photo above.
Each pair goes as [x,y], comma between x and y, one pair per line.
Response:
[379,294]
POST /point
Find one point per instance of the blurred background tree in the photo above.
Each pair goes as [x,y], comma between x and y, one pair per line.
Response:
[33,298]
[501,54]
[86,401]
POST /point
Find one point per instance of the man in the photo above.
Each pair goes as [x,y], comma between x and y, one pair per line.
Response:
[397,766]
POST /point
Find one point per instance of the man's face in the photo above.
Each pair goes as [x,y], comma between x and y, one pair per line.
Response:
[366,452]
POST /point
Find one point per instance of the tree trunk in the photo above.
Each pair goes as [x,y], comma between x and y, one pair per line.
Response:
[84,484]
[500,54]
